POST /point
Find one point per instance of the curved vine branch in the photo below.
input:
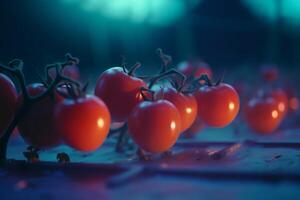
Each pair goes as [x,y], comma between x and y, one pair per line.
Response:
[15,70]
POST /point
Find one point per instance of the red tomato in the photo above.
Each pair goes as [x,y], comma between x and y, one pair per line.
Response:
[186,105]
[282,101]
[217,105]
[262,115]
[198,68]
[37,126]
[8,102]
[71,71]
[155,126]
[120,91]
[195,128]
[83,123]
[269,72]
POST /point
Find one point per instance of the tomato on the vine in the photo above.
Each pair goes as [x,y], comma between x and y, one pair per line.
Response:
[218,105]
[185,103]
[155,126]
[82,122]
[262,115]
[195,69]
[120,91]
[37,126]
[8,102]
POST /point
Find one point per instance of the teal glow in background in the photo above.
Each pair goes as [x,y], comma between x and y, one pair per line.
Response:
[270,10]
[155,12]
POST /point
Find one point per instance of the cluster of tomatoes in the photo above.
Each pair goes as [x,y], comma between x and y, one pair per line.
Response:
[269,107]
[156,122]
[155,116]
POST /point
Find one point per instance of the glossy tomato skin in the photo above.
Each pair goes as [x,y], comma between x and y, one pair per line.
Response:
[198,68]
[37,126]
[8,102]
[185,104]
[217,105]
[120,92]
[282,101]
[262,115]
[83,123]
[155,126]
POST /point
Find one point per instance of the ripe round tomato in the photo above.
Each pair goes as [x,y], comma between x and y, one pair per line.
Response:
[269,72]
[186,105]
[194,68]
[282,101]
[120,92]
[217,105]
[195,128]
[262,115]
[8,102]
[155,126]
[71,71]
[83,123]
[37,126]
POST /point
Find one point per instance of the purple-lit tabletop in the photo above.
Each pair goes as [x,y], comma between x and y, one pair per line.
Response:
[217,164]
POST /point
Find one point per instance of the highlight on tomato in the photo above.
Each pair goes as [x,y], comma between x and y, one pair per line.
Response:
[155,125]
[262,115]
[218,104]
[282,101]
[186,105]
[83,122]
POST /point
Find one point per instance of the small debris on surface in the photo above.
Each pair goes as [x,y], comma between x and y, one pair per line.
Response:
[277,156]
[227,151]
[63,157]
[31,154]
[274,158]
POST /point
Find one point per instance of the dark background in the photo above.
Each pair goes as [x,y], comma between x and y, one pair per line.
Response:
[222,32]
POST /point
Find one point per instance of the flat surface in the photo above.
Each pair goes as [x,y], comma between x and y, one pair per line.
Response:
[247,170]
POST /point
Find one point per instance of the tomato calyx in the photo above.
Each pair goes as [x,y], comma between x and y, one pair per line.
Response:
[131,71]
[72,90]
[208,81]
[145,97]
